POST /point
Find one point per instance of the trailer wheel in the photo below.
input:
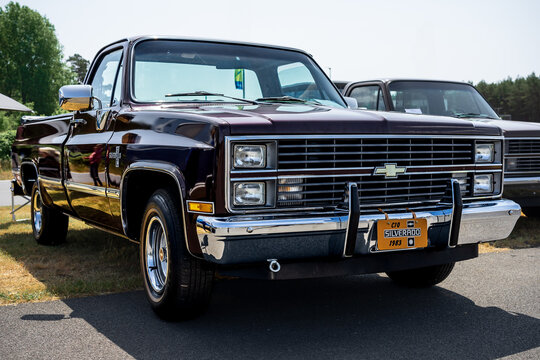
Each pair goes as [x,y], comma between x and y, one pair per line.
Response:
[49,225]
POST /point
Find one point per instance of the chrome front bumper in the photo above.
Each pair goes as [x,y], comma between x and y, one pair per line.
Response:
[244,239]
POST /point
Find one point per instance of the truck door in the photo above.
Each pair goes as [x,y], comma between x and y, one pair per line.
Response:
[86,148]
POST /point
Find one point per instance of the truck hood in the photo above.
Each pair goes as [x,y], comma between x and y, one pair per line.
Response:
[511,128]
[274,119]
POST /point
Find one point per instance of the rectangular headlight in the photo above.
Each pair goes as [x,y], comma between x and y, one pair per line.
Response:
[485,153]
[249,156]
[483,184]
[249,194]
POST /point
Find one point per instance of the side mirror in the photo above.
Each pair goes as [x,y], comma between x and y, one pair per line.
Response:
[75,97]
[351,102]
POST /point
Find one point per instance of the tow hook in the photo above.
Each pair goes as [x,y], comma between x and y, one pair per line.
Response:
[274,265]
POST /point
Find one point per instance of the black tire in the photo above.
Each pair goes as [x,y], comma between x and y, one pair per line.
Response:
[422,277]
[48,225]
[178,286]
[531,212]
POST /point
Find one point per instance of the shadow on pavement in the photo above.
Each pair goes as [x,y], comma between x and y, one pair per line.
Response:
[353,317]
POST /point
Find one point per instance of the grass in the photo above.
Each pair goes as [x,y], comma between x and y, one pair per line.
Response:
[525,235]
[5,169]
[91,262]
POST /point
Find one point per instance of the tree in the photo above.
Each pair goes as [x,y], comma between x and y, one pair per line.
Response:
[519,98]
[31,67]
[79,65]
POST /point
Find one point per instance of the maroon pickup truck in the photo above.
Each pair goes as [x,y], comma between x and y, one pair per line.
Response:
[244,158]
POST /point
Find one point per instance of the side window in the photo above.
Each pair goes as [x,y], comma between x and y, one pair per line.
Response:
[117,87]
[296,81]
[380,105]
[368,97]
[103,80]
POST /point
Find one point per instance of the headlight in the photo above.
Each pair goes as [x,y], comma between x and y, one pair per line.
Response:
[249,156]
[249,194]
[485,153]
[483,184]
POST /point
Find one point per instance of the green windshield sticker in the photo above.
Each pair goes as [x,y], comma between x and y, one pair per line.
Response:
[239,79]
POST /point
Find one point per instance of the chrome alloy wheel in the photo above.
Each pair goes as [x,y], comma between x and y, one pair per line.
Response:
[156,251]
[37,205]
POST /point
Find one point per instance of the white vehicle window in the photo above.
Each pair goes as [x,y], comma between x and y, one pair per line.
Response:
[103,80]
[369,97]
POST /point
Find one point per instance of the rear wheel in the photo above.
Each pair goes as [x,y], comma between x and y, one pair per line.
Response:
[178,286]
[49,225]
[422,277]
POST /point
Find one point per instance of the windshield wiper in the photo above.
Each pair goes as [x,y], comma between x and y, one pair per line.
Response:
[206,93]
[288,99]
[473,115]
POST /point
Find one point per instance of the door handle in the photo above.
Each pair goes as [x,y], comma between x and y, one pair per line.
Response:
[77,121]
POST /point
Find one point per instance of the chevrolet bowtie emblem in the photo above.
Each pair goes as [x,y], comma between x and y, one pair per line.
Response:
[390,171]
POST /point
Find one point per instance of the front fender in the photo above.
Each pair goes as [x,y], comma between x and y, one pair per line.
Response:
[176,175]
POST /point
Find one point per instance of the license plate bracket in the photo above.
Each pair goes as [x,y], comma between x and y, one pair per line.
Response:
[399,234]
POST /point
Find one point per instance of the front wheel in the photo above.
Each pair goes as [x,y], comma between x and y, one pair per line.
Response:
[422,277]
[178,286]
[49,225]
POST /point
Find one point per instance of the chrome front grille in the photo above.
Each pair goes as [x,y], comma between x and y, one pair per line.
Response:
[524,146]
[366,152]
[523,165]
[522,157]
[392,172]
[374,191]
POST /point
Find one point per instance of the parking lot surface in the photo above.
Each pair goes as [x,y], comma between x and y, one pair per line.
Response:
[488,308]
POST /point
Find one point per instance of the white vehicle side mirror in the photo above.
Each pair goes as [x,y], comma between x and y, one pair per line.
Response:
[351,102]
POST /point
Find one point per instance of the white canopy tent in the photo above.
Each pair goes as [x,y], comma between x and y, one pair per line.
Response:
[8,104]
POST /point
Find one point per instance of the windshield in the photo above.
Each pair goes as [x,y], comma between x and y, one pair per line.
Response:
[439,98]
[188,71]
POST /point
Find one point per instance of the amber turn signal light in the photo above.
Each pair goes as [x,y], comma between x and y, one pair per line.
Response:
[201,207]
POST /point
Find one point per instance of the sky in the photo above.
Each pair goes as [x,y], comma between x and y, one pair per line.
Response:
[457,40]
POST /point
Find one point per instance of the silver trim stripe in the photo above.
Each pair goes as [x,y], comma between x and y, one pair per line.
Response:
[522,180]
[87,189]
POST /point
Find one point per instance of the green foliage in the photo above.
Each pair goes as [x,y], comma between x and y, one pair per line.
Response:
[31,67]
[79,66]
[6,139]
[9,120]
[519,98]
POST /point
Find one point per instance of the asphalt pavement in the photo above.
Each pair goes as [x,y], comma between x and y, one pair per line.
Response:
[5,194]
[488,308]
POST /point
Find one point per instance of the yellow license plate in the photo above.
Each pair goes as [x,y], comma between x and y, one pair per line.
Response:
[401,234]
